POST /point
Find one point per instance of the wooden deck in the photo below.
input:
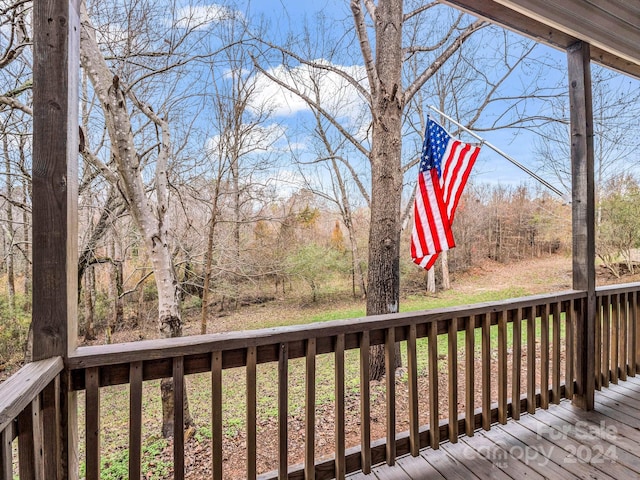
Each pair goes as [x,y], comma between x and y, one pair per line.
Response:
[562,442]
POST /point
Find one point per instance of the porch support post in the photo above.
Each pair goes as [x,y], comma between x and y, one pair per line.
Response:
[56,30]
[583,217]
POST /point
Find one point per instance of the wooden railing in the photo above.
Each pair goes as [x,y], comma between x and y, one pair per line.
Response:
[29,413]
[617,334]
[466,368]
[498,384]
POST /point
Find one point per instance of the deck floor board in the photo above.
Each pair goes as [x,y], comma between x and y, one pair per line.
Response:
[562,442]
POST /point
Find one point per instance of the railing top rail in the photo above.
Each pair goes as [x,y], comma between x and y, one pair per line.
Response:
[104,355]
[619,288]
[24,385]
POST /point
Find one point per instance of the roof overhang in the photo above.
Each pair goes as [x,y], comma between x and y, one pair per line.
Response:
[611,27]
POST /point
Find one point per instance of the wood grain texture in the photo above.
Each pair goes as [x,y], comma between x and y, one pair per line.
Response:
[92,435]
[434,411]
[390,383]
[516,373]
[178,418]
[556,354]
[470,356]
[502,368]
[599,342]
[252,415]
[55,177]
[283,411]
[17,392]
[606,339]
[6,453]
[135,420]
[544,357]
[452,362]
[216,415]
[50,417]
[615,325]
[531,362]
[486,372]
[365,404]
[623,336]
[583,217]
[569,349]
[339,427]
[412,373]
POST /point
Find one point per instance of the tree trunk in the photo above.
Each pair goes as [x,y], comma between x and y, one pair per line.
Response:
[431,280]
[89,285]
[25,232]
[149,215]
[446,281]
[10,232]
[386,174]
[204,314]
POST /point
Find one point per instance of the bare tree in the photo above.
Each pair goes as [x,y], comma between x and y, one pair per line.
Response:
[148,212]
[400,57]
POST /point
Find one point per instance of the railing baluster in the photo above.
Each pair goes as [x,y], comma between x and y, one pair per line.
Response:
[555,371]
[283,411]
[470,355]
[216,414]
[92,399]
[29,442]
[633,335]
[6,453]
[598,359]
[452,362]
[544,357]
[615,324]
[606,339]
[178,418]
[135,420]
[516,364]
[622,359]
[51,429]
[340,439]
[310,411]
[486,371]
[390,380]
[365,404]
[569,343]
[434,426]
[502,367]
[252,403]
[412,372]
[531,361]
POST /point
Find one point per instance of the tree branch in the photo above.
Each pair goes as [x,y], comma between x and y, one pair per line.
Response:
[435,66]
[315,105]
[365,47]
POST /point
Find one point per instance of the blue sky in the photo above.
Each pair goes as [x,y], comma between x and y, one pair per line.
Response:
[287,16]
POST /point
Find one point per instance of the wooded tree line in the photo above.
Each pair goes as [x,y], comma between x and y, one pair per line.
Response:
[224,159]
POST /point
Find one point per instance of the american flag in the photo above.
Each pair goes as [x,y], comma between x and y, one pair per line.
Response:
[445,166]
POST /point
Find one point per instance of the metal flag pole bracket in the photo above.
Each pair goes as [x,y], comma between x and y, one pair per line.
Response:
[505,155]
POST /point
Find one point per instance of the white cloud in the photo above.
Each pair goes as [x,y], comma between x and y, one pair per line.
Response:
[199,17]
[338,96]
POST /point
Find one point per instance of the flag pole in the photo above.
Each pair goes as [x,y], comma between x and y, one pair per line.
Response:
[500,152]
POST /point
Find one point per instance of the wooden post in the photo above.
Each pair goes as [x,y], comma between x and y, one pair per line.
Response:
[583,208]
[56,29]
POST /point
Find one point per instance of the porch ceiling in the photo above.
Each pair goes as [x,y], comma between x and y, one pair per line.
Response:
[611,27]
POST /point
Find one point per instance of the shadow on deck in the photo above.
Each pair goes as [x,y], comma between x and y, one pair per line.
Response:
[562,442]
